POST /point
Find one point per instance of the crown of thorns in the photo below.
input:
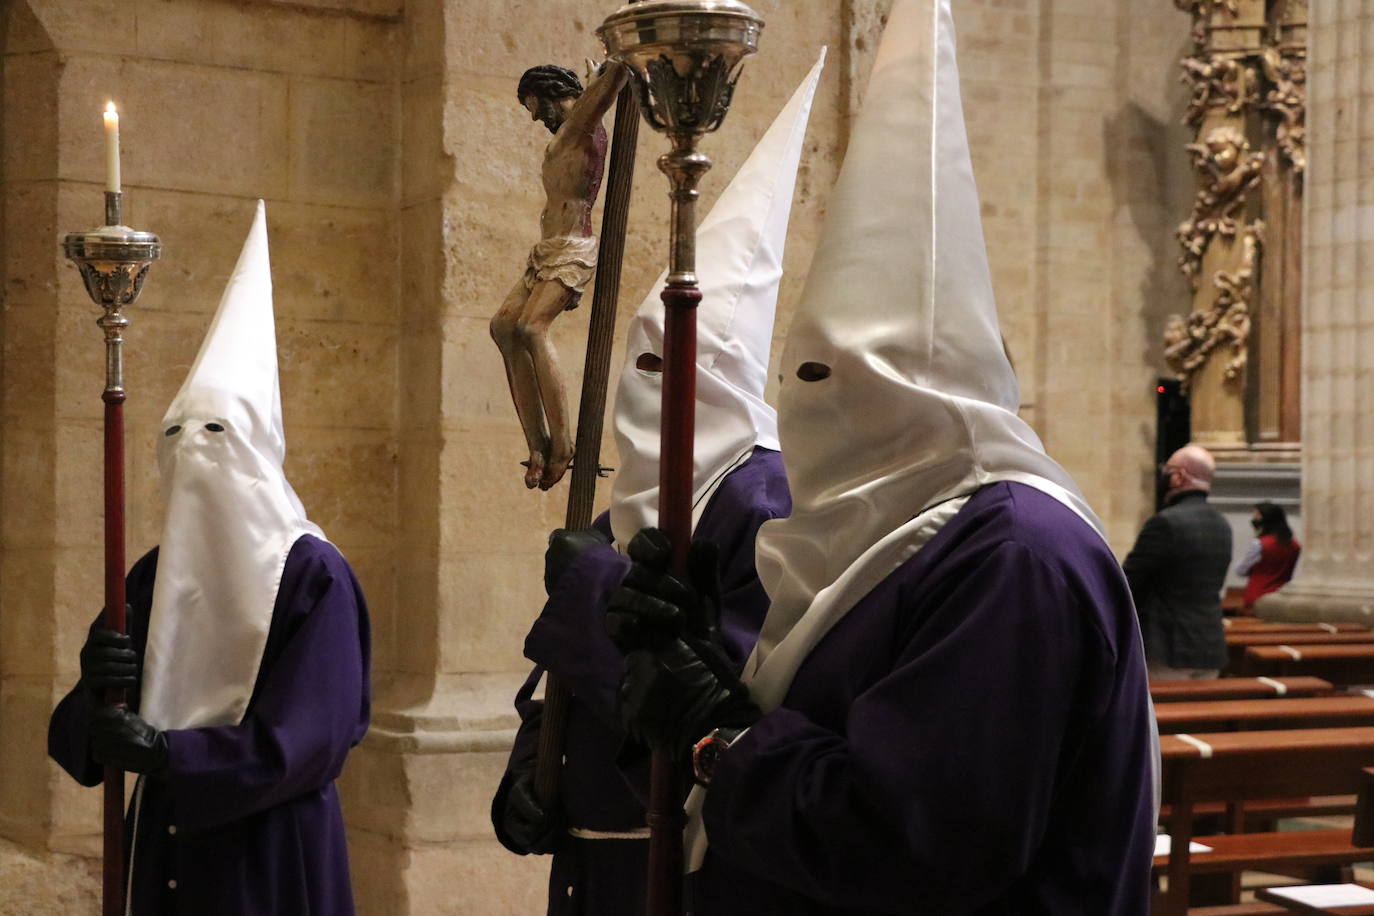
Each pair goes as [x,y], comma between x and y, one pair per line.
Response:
[548,81]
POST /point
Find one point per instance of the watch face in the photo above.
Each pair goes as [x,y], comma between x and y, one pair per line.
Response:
[705,756]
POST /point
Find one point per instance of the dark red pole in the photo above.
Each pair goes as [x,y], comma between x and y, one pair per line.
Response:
[666,819]
[113,880]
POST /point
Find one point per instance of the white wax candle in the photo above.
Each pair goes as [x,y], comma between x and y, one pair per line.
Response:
[111,147]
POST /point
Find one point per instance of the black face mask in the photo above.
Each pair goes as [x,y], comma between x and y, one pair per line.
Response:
[1257,524]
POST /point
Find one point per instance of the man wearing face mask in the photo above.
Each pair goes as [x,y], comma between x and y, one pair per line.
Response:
[1177,569]
[246,661]
[946,710]
[597,835]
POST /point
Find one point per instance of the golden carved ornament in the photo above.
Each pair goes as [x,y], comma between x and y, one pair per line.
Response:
[1230,170]
[1189,341]
[1217,82]
[1287,74]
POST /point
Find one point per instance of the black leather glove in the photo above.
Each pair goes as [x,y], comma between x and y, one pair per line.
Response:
[523,826]
[672,697]
[653,606]
[108,662]
[565,546]
[678,683]
[123,740]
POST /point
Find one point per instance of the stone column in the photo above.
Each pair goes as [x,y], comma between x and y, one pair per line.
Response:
[1336,576]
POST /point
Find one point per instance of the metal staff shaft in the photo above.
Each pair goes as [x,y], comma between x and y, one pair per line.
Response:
[591,412]
[114,261]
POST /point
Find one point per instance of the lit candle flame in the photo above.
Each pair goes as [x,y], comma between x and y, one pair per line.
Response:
[110,107]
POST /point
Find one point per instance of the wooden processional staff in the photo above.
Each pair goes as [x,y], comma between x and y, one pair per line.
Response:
[114,261]
[591,409]
[684,57]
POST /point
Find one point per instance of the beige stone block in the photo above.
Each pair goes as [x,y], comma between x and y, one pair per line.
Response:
[95,26]
[22,30]
[377,865]
[418,602]
[495,144]
[31,257]
[25,704]
[423,243]
[371,50]
[30,140]
[76,818]
[376,572]
[491,601]
[183,126]
[30,514]
[426,167]
[337,373]
[475,386]
[346,479]
[422,38]
[175,30]
[276,39]
[333,263]
[484,500]
[28,345]
[477,877]
[26,600]
[78,480]
[563,32]
[381,9]
[343,143]
[486,246]
[78,597]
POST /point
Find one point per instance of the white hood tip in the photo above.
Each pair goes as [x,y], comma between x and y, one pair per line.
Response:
[740,249]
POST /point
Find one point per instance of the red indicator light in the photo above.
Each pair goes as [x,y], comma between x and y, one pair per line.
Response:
[1160,389]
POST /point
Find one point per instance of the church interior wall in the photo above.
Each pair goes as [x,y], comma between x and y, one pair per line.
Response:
[401,182]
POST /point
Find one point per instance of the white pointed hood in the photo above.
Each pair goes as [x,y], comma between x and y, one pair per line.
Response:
[231,516]
[740,247]
[919,408]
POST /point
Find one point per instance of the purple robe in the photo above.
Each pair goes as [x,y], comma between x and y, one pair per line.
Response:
[245,819]
[973,737]
[606,876]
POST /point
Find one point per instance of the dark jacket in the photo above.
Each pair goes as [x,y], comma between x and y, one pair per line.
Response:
[1176,570]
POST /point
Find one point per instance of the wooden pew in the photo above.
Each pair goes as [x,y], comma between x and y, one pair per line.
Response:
[1237,688]
[1255,625]
[1237,641]
[1253,715]
[1238,767]
[1349,664]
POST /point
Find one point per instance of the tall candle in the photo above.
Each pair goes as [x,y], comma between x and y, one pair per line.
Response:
[111,147]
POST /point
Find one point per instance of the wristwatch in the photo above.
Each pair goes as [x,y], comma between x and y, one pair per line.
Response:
[707,752]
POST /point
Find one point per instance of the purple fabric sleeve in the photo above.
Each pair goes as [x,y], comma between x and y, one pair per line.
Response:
[308,710]
[854,820]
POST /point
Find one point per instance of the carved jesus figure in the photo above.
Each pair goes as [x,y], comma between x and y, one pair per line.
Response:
[562,263]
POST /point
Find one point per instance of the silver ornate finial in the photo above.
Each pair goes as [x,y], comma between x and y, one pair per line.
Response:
[113,260]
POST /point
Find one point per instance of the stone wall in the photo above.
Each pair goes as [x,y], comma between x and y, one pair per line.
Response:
[401,181]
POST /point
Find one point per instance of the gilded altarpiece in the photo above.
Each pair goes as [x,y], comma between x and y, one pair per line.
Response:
[1238,348]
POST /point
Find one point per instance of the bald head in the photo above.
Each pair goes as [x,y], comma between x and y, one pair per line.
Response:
[1191,468]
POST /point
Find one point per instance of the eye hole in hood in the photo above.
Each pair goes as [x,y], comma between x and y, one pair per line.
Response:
[214,427]
[813,372]
[172,431]
[649,362]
